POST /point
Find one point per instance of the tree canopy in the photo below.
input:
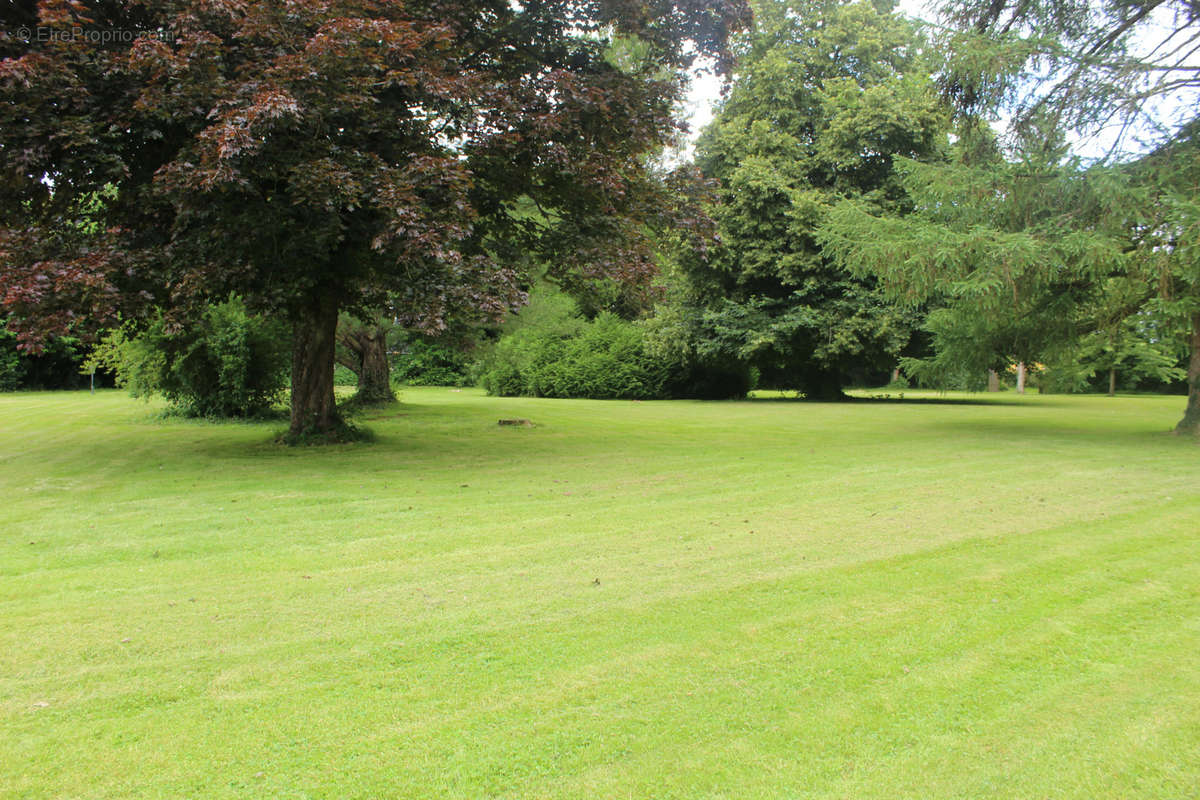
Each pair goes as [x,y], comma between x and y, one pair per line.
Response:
[1114,69]
[828,95]
[324,156]
[1005,251]
[1026,248]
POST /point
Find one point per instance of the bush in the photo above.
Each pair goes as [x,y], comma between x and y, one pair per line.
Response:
[230,364]
[602,359]
[699,367]
[419,361]
[549,350]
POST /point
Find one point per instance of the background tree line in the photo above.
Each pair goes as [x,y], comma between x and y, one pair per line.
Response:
[855,213]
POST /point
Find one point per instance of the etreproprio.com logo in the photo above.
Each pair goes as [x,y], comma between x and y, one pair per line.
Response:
[29,35]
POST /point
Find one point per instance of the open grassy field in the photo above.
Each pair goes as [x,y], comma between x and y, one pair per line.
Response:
[762,599]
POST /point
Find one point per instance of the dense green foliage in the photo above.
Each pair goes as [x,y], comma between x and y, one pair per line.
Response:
[421,361]
[11,369]
[1142,350]
[1024,251]
[828,94]
[56,365]
[230,363]
[349,155]
[602,359]
[549,349]
[1011,253]
[1170,242]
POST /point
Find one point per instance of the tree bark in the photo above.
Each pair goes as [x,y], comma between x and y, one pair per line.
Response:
[1112,381]
[1020,377]
[1190,423]
[993,381]
[314,409]
[374,377]
[365,354]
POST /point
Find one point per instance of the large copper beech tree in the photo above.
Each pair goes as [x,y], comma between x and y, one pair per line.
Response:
[323,156]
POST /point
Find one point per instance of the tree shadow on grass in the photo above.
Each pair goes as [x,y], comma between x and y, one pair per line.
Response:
[384,432]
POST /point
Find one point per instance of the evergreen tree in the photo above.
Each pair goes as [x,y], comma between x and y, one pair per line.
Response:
[1011,253]
[1117,69]
[1034,226]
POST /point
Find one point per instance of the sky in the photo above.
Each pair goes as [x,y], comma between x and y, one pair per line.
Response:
[706,90]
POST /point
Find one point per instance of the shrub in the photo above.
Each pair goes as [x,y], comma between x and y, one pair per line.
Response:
[231,363]
[699,366]
[419,361]
[548,350]
[602,359]
[526,339]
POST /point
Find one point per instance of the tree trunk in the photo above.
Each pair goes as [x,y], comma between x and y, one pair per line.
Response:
[1112,381]
[374,376]
[1020,377]
[993,381]
[1191,419]
[896,375]
[364,352]
[823,385]
[314,409]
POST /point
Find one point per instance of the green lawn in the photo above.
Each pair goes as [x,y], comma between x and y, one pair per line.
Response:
[630,600]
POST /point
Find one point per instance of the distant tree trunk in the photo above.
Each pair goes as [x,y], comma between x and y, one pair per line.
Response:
[896,375]
[1191,418]
[365,354]
[313,407]
[1112,381]
[993,381]
[823,385]
[375,379]
[1020,377]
